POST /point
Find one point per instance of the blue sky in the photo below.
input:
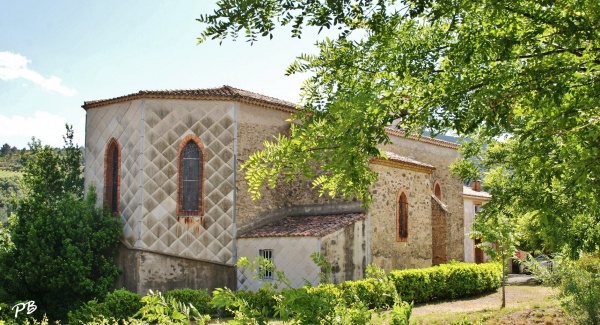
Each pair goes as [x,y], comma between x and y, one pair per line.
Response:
[54,55]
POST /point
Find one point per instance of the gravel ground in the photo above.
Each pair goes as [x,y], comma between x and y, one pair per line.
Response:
[516,296]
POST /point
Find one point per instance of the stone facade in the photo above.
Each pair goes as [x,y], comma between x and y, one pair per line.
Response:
[163,248]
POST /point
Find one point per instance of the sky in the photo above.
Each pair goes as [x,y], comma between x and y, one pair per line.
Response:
[54,55]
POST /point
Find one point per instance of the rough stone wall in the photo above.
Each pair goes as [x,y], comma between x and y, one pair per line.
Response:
[290,255]
[386,252]
[440,158]
[439,240]
[141,270]
[346,250]
[255,125]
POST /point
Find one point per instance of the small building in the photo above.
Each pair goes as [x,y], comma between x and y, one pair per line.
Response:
[474,199]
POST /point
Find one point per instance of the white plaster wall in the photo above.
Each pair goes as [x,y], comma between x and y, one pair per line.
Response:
[469,243]
[290,255]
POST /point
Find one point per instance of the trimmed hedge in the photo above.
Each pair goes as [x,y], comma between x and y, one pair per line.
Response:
[200,299]
[371,291]
[446,281]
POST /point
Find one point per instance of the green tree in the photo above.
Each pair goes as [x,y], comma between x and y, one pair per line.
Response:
[527,71]
[63,245]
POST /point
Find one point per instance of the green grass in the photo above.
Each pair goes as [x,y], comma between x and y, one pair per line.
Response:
[9,173]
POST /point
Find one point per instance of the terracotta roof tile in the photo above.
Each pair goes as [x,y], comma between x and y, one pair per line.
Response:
[395,160]
[221,93]
[422,138]
[305,226]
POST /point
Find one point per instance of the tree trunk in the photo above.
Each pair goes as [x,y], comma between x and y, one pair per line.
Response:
[503,283]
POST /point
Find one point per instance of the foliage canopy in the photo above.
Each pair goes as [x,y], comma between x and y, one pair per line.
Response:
[526,71]
[62,244]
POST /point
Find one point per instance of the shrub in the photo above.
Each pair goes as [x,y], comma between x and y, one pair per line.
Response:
[119,304]
[87,312]
[122,304]
[158,309]
[579,288]
[198,298]
[447,281]
[375,292]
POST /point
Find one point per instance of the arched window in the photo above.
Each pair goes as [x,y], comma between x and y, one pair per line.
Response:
[437,190]
[191,170]
[112,175]
[402,218]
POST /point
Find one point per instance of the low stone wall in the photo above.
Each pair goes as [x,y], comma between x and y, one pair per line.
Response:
[141,270]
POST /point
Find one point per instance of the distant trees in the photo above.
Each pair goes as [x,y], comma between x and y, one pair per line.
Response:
[62,244]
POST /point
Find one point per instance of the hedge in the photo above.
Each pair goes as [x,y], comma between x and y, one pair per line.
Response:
[446,281]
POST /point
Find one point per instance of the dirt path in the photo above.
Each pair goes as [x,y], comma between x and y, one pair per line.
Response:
[516,296]
[525,304]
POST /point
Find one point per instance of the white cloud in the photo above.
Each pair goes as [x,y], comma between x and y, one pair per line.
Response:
[14,66]
[18,130]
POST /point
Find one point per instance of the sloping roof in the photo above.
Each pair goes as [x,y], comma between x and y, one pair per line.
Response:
[231,93]
[397,161]
[221,93]
[440,203]
[467,191]
[421,138]
[305,226]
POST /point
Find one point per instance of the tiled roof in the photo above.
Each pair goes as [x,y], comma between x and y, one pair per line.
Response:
[470,192]
[422,138]
[305,226]
[395,160]
[221,93]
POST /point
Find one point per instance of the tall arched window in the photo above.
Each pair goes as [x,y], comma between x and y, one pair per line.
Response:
[402,218]
[437,190]
[112,175]
[191,170]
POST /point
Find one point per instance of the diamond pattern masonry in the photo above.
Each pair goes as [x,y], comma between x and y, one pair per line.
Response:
[208,237]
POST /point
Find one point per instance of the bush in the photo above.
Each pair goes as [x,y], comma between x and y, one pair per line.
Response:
[579,288]
[198,298]
[262,300]
[122,304]
[447,281]
[119,304]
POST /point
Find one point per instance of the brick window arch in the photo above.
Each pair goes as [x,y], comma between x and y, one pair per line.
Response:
[190,192]
[112,175]
[402,217]
[437,190]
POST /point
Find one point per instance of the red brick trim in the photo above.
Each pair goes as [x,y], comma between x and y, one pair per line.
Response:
[437,185]
[107,173]
[180,211]
[401,218]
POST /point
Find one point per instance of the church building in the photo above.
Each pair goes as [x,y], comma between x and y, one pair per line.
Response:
[167,162]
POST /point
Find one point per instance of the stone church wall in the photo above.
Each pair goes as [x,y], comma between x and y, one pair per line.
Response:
[441,158]
[255,125]
[386,252]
